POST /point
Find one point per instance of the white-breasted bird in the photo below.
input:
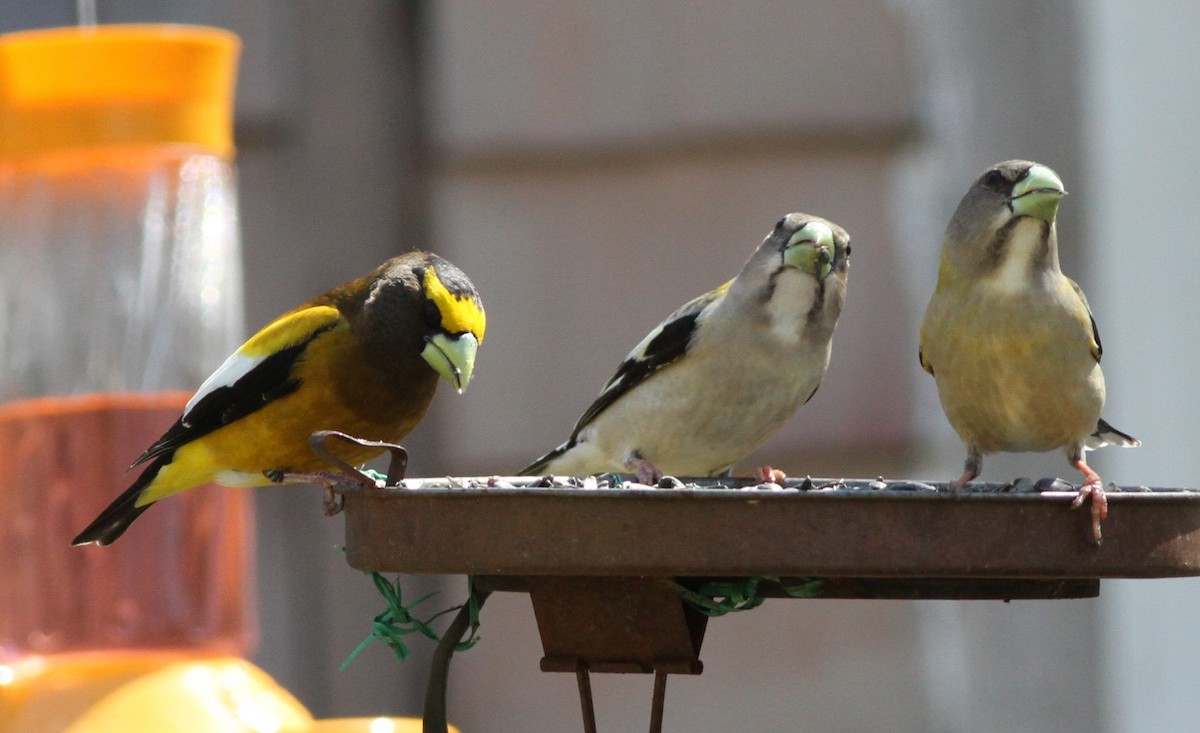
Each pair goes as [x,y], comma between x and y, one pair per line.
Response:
[715,379]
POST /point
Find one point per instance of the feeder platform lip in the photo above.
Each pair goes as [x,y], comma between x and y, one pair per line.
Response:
[1040,490]
[526,526]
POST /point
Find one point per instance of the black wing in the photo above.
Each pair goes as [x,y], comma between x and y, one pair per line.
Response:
[269,380]
[661,347]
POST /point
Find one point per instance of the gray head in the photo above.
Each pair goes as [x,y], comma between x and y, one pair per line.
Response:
[1009,203]
[807,243]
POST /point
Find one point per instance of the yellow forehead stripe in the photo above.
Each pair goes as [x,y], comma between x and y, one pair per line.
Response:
[460,314]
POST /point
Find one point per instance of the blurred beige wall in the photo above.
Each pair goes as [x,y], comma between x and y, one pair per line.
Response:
[599,164]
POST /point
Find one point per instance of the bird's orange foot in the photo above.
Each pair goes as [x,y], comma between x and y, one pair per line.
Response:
[961,482]
[768,475]
[1092,486]
[644,470]
[971,469]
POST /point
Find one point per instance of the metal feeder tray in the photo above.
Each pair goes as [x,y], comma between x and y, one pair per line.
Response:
[604,566]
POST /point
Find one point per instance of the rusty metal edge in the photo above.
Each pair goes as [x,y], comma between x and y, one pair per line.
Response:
[730,532]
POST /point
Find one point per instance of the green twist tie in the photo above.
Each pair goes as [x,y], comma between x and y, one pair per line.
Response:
[718,597]
[397,620]
[376,476]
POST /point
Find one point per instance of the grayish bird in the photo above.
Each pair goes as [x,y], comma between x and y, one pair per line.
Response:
[715,379]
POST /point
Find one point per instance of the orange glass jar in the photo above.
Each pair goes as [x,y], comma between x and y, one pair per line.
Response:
[120,290]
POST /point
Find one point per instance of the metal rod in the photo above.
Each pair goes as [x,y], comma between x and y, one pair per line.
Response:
[318,443]
[585,698]
[85,13]
[658,702]
[434,719]
[398,464]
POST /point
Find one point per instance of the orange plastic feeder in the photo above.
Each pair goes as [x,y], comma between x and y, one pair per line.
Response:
[120,289]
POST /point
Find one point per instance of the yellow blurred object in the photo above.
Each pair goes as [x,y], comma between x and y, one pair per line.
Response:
[117,85]
[145,692]
[46,694]
[370,725]
[203,696]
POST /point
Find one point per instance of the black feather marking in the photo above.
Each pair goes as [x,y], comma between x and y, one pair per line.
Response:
[811,394]
[269,380]
[117,516]
[538,467]
[665,348]
[1102,427]
[671,342]
[1095,330]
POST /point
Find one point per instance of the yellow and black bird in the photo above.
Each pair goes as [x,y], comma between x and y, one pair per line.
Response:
[1009,339]
[363,359]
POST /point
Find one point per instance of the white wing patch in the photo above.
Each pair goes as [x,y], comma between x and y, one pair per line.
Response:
[714,298]
[639,352]
[293,329]
[235,367]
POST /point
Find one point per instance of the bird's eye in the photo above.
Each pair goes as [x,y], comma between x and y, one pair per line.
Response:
[993,179]
[847,249]
[431,314]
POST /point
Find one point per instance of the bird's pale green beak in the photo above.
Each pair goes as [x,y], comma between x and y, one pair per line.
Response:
[453,357]
[811,249]
[1037,194]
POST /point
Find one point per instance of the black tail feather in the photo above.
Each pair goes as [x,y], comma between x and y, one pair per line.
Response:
[538,467]
[116,518]
[1108,435]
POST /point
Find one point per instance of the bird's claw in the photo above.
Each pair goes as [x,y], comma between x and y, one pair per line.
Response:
[1092,486]
[644,470]
[1094,489]
[769,475]
[332,501]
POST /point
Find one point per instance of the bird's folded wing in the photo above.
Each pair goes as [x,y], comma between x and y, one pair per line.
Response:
[260,371]
[663,346]
[1097,347]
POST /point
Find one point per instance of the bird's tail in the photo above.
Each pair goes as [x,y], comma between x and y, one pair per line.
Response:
[540,466]
[1108,435]
[116,518]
